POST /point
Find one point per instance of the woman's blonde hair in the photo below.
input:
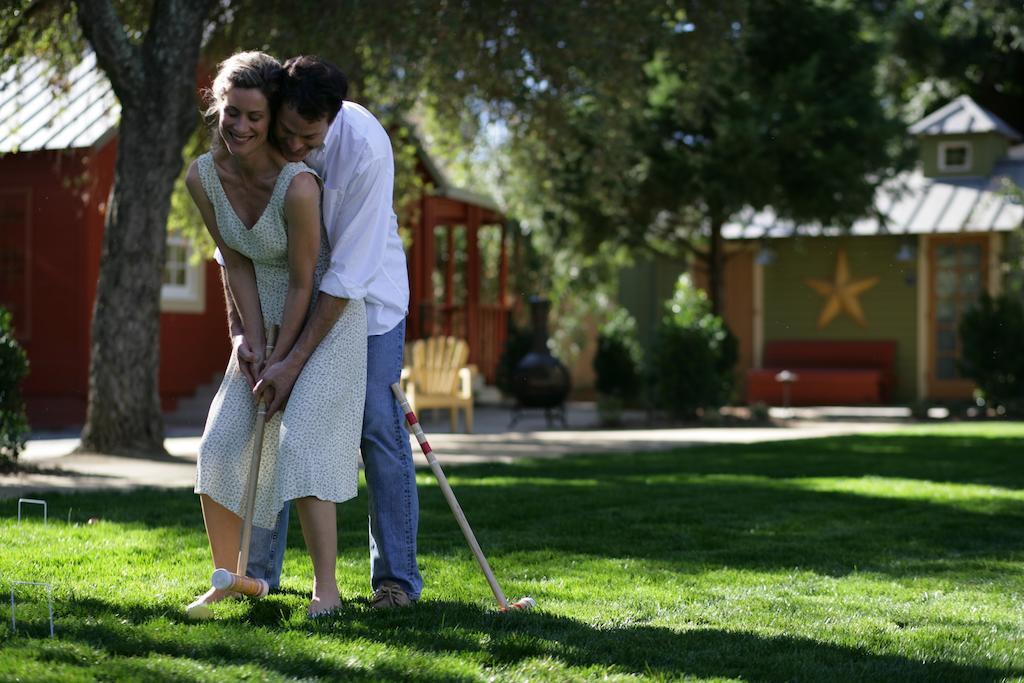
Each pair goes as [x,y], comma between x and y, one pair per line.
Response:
[255,70]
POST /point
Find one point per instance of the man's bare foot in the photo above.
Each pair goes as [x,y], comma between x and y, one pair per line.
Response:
[200,607]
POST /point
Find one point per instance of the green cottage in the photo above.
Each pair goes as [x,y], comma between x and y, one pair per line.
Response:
[870,314]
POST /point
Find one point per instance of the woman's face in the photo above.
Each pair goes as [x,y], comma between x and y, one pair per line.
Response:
[244,120]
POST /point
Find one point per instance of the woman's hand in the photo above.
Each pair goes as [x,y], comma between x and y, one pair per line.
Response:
[246,358]
[250,353]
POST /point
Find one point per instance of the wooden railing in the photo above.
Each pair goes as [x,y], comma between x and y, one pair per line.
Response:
[491,339]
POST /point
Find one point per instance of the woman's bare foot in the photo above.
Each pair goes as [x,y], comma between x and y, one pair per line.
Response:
[323,603]
[200,607]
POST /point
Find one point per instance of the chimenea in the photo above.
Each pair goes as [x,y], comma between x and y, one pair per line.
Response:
[540,380]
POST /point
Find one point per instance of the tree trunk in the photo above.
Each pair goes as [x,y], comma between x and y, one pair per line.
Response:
[155,83]
[124,399]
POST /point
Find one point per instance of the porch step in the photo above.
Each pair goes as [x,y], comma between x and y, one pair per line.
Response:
[192,410]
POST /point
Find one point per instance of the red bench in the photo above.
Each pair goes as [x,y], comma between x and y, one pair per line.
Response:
[826,373]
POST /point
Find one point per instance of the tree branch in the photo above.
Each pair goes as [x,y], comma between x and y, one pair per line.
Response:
[174,23]
[694,251]
[119,58]
[172,47]
[30,12]
[686,245]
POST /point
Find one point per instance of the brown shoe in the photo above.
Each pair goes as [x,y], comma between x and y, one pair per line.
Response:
[390,594]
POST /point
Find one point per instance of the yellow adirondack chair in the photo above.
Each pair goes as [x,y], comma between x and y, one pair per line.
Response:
[436,376]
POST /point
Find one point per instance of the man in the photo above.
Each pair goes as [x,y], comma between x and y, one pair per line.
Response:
[352,152]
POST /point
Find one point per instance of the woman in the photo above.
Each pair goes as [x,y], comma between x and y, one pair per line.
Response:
[264,215]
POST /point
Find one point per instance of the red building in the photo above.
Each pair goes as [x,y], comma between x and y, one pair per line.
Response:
[458,270]
[57,154]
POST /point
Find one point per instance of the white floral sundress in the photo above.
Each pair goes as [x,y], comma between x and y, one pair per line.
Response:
[310,448]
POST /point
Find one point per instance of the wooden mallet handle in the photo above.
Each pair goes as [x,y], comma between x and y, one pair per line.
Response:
[254,469]
[449,496]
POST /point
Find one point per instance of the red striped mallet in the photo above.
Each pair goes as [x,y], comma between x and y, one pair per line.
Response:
[414,426]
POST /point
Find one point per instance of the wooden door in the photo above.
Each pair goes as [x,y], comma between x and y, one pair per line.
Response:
[16,259]
[959,271]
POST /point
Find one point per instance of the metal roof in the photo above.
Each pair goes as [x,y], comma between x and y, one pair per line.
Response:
[963,115]
[41,109]
[913,204]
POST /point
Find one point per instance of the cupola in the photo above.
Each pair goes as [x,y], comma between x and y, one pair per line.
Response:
[962,139]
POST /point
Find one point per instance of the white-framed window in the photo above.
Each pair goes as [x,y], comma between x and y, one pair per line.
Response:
[184,282]
[954,156]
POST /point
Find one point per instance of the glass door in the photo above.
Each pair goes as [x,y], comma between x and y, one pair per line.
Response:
[959,273]
[448,281]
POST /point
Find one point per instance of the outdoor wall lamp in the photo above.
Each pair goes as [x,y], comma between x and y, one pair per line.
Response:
[765,256]
[907,252]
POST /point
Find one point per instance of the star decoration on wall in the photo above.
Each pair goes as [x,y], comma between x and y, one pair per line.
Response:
[841,294]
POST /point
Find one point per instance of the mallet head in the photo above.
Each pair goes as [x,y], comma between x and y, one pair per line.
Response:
[522,605]
[224,580]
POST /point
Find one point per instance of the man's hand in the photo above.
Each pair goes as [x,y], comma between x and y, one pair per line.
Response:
[249,361]
[276,383]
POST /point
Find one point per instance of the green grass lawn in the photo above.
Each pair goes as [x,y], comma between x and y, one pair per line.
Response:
[888,557]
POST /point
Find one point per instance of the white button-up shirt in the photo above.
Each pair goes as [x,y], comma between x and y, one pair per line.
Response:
[357,165]
[367,257]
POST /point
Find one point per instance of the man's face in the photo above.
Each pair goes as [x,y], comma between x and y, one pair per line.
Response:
[297,136]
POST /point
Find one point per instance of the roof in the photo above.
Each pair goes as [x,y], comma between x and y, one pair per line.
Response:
[913,204]
[444,188]
[37,114]
[963,115]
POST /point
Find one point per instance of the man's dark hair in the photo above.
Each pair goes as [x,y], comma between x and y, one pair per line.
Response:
[314,87]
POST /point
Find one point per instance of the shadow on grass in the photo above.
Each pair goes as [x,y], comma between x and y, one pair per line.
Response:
[731,506]
[741,525]
[699,524]
[734,506]
[67,478]
[336,648]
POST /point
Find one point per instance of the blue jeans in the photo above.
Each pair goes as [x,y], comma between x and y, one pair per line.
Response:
[390,482]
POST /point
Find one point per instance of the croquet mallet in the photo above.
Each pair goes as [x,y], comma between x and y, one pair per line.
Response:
[224,579]
[414,426]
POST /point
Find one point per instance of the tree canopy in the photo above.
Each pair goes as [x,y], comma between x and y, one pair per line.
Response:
[935,50]
[461,63]
[779,107]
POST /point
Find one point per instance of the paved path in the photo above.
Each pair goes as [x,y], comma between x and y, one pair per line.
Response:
[58,470]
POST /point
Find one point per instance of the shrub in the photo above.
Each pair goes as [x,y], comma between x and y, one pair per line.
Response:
[693,356]
[13,368]
[759,412]
[617,360]
[991,333]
